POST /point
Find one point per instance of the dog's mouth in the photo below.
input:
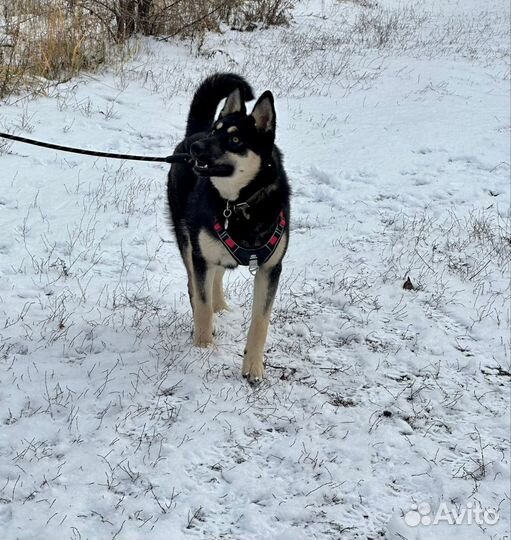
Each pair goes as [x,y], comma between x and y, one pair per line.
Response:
[212,169]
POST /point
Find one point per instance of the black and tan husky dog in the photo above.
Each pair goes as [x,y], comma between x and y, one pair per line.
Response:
[231,207]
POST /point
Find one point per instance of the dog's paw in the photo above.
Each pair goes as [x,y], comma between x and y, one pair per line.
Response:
[253,369]
[203,341]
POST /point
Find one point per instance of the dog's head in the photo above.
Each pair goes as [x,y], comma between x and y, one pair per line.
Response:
[233,151]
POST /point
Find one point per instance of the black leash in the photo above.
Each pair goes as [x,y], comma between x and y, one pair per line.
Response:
[175,158]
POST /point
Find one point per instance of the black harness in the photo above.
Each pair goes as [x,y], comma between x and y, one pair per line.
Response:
[251,257]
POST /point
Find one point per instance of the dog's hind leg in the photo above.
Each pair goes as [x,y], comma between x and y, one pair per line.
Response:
[202,300]
[219,302]
[265,287]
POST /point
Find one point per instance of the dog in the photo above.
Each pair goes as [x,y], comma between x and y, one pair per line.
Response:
[231,206]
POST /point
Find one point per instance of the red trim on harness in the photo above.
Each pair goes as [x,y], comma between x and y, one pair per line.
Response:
[244,256]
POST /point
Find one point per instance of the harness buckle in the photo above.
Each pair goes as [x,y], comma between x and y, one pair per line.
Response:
[253,264]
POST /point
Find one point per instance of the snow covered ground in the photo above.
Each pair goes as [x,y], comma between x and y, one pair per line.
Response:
[379,401]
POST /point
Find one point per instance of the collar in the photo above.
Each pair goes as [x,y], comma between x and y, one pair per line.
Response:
[244,206]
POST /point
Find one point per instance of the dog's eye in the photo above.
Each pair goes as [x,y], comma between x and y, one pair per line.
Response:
[235,140]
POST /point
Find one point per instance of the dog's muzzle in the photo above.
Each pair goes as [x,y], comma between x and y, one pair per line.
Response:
[205,162]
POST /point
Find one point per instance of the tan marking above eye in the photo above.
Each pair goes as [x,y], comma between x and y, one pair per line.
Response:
[220,125]
[232,129]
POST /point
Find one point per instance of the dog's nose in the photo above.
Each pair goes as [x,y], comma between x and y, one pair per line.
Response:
[198,149]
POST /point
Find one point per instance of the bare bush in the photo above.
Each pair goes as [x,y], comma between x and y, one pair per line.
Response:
[46,42]
[42,42]
[267,12]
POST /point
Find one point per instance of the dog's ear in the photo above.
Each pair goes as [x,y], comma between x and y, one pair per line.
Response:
[234,104]
[264,113]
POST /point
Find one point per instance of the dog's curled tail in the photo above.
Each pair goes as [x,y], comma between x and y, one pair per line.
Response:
[207,97]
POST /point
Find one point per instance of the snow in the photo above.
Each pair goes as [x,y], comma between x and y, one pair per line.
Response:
[376,399]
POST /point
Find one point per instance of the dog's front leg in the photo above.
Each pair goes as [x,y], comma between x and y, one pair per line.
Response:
[265,286]
[202,299]
[219,302]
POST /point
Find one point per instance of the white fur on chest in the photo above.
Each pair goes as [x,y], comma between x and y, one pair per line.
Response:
[214,251]
[245,169]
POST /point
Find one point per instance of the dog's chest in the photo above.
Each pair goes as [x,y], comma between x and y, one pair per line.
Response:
[214,251]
